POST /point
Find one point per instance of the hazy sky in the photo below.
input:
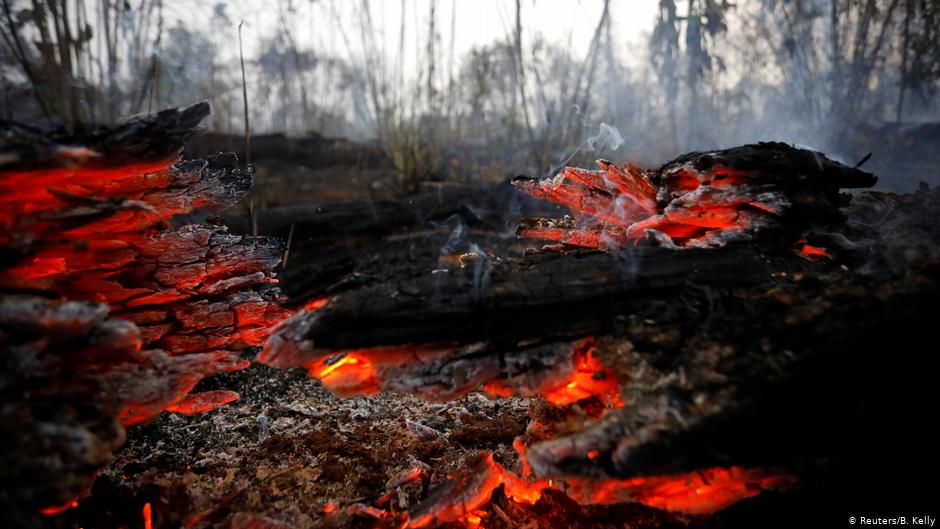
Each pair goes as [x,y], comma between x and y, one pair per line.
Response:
[568,23]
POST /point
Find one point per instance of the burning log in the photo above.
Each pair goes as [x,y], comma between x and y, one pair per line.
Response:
[85,218]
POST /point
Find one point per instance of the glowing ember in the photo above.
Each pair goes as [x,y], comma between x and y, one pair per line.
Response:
[102,239]
[346,374]
[464,494]
[53,510]
[700,492]
[202,402]
[811,252]
[590,379]
[524,490]
[698,200]
[563,373]
[705,208]
[148,516]
[462,499]
[473,519]
[119,313]
[316,303]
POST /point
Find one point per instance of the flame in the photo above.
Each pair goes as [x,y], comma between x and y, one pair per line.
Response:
[148,516]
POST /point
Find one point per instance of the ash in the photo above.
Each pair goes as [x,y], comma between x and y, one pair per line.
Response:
[289,448]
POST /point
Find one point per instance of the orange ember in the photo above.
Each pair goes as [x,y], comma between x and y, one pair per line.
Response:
[464,495]
[99,235]
[621,205]
[811,252]
[524,490]
[590,379]
[53,510]
[699,492]
[26,192]
[473,519]
[346,374]
[202,402]
[148,516]
[316,303]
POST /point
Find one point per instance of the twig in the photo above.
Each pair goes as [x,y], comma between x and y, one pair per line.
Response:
[290,238]
[502,514]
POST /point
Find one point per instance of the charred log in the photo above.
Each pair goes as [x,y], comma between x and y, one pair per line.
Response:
[541,295]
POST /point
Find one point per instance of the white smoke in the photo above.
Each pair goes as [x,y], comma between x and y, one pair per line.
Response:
[607,138]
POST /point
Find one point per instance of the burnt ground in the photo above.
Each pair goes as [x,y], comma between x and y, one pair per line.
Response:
[289,447]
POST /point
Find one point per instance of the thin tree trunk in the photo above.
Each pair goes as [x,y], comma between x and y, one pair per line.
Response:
[905,50]
[835,58]
[431,60]
[533,148]
[14,42]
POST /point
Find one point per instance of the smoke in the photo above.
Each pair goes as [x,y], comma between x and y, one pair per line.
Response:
[482,267]
[607,138]
[458,234]
[459,251]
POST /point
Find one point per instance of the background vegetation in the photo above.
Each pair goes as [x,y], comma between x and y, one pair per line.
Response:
[712,73]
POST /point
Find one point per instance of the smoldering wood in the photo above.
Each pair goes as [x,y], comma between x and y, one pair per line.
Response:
[85,218]
[779,162]
[72,373]
[787,374]
[699,200]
